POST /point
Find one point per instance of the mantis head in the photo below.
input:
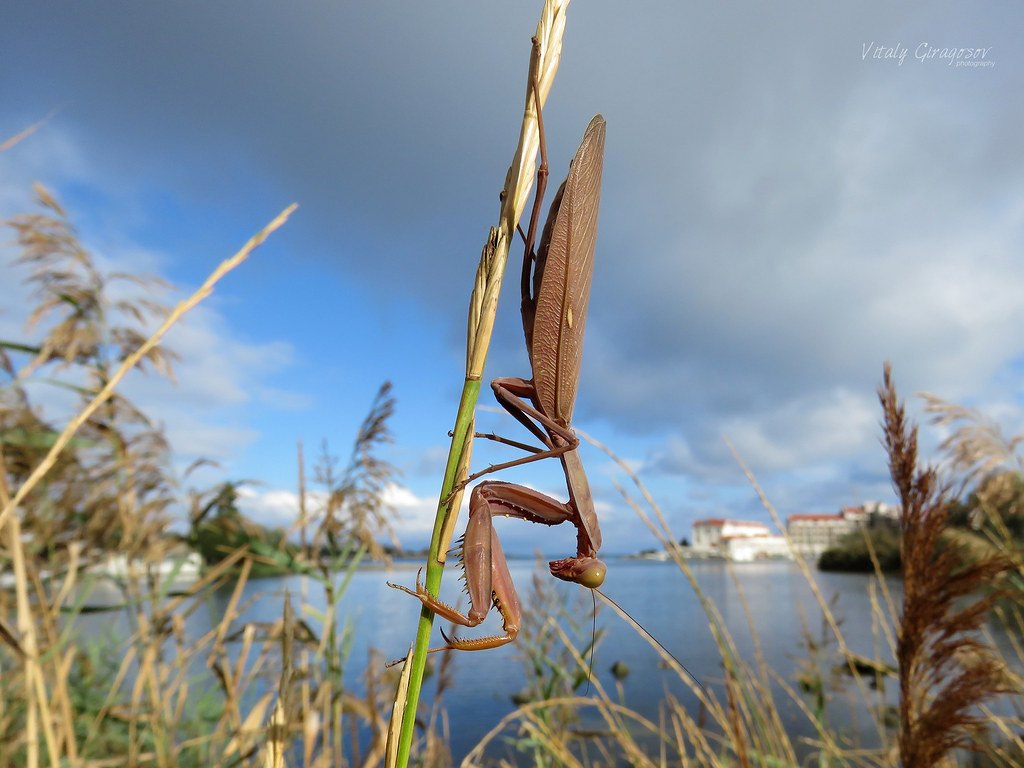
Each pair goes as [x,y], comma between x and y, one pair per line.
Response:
[586,571]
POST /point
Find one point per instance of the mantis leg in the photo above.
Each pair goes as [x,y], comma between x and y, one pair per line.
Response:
[487,578]
[558,440]
[519,398]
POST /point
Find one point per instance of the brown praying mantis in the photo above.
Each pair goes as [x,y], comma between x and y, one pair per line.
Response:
[554,310]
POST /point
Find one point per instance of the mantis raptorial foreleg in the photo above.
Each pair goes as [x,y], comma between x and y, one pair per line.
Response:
[487,577]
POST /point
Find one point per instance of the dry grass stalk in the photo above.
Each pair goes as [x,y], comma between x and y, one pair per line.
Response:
[976,446]
[8,143]
[848,656]
[70,701]
[749,724]
[354,507]
[135,357]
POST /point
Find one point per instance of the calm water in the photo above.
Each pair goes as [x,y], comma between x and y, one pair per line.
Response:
[780,602]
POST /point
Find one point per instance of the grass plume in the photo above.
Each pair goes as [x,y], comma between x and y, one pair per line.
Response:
[945,670]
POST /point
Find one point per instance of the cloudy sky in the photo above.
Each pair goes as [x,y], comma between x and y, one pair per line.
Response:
[793,194]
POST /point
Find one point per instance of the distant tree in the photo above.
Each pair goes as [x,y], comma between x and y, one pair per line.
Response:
[852,553]
[996,504]
[216,526]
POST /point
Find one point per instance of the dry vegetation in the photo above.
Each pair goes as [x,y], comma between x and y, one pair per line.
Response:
[248,694]
[241,692]
[933,640]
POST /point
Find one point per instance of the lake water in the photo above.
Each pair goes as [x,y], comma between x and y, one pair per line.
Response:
[777,596]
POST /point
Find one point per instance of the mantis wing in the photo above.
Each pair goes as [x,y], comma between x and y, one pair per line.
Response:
[561,278]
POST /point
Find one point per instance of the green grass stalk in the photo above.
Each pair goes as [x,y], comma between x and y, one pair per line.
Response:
[483,305]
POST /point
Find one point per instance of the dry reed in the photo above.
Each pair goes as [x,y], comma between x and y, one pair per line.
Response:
[945,669]
[949,675]
[157,694]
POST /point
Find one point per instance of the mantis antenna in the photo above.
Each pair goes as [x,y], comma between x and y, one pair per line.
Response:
[640,628]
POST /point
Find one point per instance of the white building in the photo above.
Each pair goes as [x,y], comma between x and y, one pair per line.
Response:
[746,549]
[738,540]
[813,534]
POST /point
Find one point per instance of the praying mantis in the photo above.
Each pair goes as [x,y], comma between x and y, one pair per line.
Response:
[554,311]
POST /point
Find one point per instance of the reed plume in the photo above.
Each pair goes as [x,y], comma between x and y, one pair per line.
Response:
[945,670]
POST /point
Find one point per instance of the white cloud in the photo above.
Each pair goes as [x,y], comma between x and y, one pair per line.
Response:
[193,437]
[216,368]
[415,514]
[218,374]
[804,432]
[273,508]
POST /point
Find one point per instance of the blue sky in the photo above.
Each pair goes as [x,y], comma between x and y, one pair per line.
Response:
[793,194]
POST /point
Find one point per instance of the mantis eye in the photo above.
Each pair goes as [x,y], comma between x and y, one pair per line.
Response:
[593,576]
